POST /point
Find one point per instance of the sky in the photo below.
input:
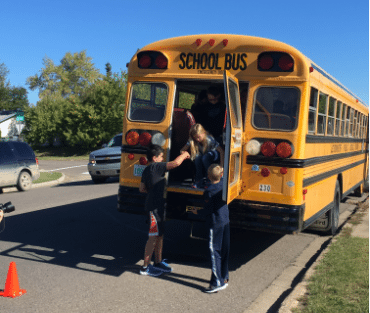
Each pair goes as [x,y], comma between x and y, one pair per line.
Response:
[333,34]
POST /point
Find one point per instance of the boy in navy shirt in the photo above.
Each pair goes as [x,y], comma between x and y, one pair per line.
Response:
[153,183]
[219,230]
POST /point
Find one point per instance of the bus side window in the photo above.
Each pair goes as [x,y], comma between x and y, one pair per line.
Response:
[312,112]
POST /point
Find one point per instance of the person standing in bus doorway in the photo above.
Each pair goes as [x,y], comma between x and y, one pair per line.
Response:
[218,222]
[153,183]
[204,151]
[196,108]
[212,113]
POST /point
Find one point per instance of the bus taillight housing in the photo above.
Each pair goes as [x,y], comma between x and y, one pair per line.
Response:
[143,138]
[152,60]
[270,148]
[275,62]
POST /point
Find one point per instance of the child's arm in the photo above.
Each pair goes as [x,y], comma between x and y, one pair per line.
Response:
[142,188]
[184,148]
[222,155]
[177,162]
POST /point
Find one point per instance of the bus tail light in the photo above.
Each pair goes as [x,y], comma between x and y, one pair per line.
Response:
[284,150]
[131,156]
[143,161]
[158,139]
[145,139]
[268,149]
[211,42]
[265,172]
[146,58]
[225,42]
[283,170]
[145,61]
[132,138]
[253,147]
[286,62]
[265,62]
[161,61]
[198,42]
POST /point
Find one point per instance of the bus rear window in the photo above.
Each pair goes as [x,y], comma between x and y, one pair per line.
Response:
[148,102]
[276,108]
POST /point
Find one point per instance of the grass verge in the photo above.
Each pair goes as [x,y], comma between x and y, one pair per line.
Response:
[341,280]
[61,153]
[46,176]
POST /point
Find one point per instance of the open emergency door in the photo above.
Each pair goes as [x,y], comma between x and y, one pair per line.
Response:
[233,144]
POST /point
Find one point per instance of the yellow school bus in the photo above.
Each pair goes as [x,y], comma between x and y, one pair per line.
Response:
[295,138]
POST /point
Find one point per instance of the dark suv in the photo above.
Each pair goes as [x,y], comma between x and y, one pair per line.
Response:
[18,165]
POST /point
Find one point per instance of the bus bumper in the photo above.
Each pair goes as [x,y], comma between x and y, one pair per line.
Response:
[276,218]
[178,205]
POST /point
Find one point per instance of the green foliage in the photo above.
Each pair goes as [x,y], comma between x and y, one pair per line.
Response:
[75,73]
[11,98]
[80,117]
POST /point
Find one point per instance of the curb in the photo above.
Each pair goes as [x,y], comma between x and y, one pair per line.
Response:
[39,185]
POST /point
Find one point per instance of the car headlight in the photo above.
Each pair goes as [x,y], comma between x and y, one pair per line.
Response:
[92,159]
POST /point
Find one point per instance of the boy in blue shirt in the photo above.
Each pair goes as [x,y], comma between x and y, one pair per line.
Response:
[219,230]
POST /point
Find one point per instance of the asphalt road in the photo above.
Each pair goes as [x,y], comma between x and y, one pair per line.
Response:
[75,253]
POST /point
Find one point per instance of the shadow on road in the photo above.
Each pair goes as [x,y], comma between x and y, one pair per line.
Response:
[93,236]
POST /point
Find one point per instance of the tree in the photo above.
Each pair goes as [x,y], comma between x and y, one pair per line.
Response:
[75,73]
[11,98]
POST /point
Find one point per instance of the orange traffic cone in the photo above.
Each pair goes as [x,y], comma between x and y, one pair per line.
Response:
[12,285]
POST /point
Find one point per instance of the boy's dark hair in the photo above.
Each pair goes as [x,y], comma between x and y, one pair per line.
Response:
[214,91]
[153,151]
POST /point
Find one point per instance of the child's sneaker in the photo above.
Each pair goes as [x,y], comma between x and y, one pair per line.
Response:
[212,289]
[150,270]
[163,266]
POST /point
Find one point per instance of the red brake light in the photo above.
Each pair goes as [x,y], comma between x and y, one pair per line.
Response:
[132,138]
[145,138]
[268,149]
[283,170]
[284,150]
[266,62]
[286,63]
[143,161]
[37,161]
[265,172]
[145,61]
[131,156]
[161,61]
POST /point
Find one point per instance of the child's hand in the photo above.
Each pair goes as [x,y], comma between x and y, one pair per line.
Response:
[187,155]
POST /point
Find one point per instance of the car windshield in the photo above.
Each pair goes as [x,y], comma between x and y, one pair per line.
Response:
[116,141]
[276,108]
[148,102]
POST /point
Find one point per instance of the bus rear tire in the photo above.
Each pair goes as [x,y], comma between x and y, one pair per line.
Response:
[359,191]
[334,212]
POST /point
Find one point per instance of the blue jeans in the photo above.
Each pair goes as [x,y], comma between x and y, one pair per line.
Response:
[202,163]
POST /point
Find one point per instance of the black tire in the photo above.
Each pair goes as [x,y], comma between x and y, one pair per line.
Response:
[98,180]
[334,212]
[24,181]
[359,191]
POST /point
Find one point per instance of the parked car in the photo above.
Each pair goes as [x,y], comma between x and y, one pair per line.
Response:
[18,165]
[106,162]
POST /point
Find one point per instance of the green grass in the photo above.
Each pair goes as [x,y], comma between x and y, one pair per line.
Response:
[61,153]
[46,176]
[341,280]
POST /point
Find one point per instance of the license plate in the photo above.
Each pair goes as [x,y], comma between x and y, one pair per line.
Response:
[138,170]
[265,188]
[193,209]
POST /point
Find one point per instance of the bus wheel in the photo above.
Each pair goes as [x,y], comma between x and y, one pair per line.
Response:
[359,191]
[334,212]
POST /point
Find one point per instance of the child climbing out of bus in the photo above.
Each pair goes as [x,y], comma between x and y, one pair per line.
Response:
[204,150]
[153,183]
[217,218]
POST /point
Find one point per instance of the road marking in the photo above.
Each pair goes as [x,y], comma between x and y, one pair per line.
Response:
[65,168]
